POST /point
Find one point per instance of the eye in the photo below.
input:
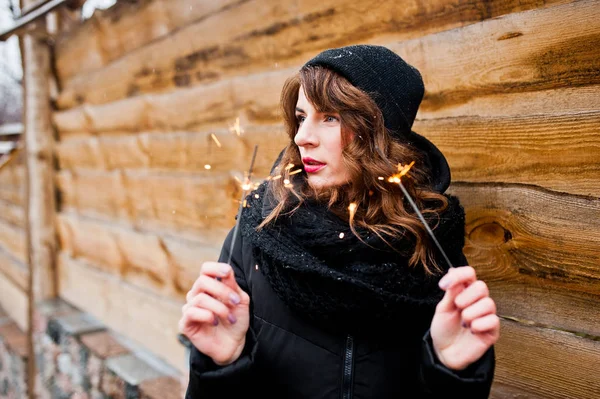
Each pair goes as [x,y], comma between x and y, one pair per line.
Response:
[300,118]
[331,118]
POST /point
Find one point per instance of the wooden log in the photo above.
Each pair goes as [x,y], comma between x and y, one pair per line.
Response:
[124,308]
[154,200]
[183,151]
[112,33]
[39,165]
[13,194]
[13,240]
[186,109]
[187,259]
[82,153]
[14,302]
[101,193]
[535,50]
[560,100]
[537,248]
[164,263]
[13,270]
[145,255]
[250,36]
[95,242]
[541,363]
[12,174]
[558,152]
[190,202]
[11,213]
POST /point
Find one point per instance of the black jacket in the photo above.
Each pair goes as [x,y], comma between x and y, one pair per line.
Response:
[288,357]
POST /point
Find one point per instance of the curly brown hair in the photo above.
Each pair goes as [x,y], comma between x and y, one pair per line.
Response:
[370,154]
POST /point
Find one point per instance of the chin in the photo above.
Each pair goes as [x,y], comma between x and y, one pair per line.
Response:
[320,183]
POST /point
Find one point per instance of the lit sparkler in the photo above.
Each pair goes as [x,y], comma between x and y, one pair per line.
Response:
[236,128]
[397,178]
[246,186]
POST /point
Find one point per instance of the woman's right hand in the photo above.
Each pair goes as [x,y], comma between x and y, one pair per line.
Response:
[216,315]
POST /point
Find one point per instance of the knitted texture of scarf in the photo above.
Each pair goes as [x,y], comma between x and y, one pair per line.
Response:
[322,271]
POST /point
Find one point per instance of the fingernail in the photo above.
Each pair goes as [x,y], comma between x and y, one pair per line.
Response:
[234,298]
[225,270]
[215,321]
[231,318]
[445,283]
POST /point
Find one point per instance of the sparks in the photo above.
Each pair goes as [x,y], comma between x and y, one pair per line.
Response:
[295,171]
[341,235]
[207,167]
[352,208]
[236,128]
[215,139]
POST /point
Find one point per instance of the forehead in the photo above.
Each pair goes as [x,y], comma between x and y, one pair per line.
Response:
[305,104]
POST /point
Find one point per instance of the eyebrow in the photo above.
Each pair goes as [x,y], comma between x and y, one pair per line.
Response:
[300,110]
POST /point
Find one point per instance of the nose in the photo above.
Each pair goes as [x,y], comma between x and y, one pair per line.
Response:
[306,136]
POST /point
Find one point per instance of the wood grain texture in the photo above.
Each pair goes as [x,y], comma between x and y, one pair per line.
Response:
[126,26]
[537,50]
[14,302]
[541,363]
[177,151]
[559,152]
[13,240]
[13,194]
[146,318]
[215,105]
[11,213]
[534,63]
[254,35]
[13,270]
[173,200]
[12,174]
[539,252]
[163,263]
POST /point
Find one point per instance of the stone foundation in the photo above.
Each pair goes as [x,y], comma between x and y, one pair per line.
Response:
[77,357]
[13,359]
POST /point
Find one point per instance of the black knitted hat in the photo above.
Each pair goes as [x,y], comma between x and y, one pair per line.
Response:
[396,87]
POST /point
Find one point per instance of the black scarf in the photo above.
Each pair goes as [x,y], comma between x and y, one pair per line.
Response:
[322,271]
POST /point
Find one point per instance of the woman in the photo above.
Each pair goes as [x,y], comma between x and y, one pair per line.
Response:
[334,289]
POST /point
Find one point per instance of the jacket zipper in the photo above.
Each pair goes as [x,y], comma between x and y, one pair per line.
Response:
[348,368]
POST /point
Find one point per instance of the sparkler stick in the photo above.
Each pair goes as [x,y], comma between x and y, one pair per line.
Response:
[397,178]
[245,187]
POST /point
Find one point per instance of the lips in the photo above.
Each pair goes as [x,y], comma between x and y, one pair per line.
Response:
[312,165]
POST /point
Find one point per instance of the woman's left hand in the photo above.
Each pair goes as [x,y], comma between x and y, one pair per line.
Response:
[465,324]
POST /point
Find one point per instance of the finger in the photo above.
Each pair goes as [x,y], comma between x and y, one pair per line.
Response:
[489,323]
[458,275]
[214,269]
[207,302]
[194,316]
[218,290]
[447,303]
[479,309]
[471,294]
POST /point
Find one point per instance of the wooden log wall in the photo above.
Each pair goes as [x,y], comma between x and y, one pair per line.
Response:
[512,98]
[14,274]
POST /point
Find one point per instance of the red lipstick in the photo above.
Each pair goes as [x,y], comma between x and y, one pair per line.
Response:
[312,165]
